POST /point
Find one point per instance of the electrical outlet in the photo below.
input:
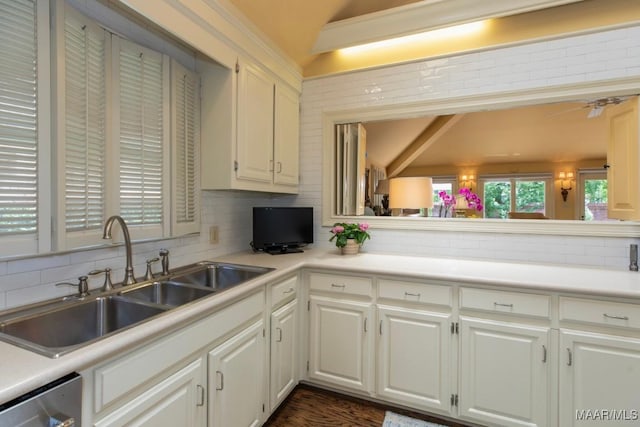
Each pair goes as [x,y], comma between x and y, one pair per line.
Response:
[213,234]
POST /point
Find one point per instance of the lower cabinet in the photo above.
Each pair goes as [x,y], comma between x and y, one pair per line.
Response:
[236,380]
[414,357]
[179,400]
[505,373]
[341,342]
[284,352]
[599,379]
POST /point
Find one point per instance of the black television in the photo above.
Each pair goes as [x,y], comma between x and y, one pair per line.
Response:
[279,230]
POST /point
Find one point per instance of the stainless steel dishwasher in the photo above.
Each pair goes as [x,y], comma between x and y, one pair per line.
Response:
[57,404]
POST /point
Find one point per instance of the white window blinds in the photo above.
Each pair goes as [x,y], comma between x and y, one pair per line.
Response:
[185,146]
[141,78]
[84,139]
[18,118]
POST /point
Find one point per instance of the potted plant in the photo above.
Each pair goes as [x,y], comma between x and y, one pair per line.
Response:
[349,236]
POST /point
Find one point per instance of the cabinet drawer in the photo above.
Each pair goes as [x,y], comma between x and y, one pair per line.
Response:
[284,291]
[342,284]
[600,312]
[505,302]
[415,292]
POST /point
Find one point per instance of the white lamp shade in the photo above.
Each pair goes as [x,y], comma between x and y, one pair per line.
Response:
[411,192]
[382,187]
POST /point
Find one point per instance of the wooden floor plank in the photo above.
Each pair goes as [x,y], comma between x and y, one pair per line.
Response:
[309,406]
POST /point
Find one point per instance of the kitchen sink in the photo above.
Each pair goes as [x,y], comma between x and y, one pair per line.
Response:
[219,276]
[58,331]
[168,293]
[56,327]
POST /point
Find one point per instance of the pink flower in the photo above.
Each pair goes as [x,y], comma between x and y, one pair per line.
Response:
[337,229]
[363,226]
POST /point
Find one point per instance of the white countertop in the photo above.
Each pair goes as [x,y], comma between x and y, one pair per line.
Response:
[22,370]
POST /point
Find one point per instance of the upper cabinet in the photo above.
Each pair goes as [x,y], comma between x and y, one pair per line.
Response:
[259,152]
[623,160]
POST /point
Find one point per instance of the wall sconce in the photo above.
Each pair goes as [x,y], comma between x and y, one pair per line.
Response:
[565,191]
[466,181]
[410,193]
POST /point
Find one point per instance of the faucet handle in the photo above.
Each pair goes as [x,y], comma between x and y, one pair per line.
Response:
[82,285]
[149,274]
[108,285]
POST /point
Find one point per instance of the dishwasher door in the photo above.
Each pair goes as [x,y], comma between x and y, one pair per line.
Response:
[57,404]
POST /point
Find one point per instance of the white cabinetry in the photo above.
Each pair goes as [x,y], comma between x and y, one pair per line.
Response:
[236,379]
[165,381]
[505,365]
[599,365]
[177,400]
[250,129]
[504,373]
[415,344]
[284,341]
[340,331]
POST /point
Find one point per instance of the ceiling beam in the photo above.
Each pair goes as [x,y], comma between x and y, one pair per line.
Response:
[438,127]
[419,17]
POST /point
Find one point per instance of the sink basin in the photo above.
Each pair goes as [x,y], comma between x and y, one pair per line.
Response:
[168,293]
[219,276]
[59,331]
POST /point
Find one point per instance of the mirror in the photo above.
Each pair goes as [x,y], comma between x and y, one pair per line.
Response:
[557,135]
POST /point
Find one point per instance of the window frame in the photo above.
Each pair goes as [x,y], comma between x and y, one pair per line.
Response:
[549,207]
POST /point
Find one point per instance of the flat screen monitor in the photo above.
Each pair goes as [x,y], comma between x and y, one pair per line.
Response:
[279,230]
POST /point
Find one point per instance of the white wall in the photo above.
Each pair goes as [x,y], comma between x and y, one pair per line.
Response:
[593,57]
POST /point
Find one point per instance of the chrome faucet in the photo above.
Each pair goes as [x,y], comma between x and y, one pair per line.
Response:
[129,278]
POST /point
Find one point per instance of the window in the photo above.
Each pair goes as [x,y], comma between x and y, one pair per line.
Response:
[593,189]
[112,142]
[81,139]
[142,94]
[502,195]
[185,141]
[126,124]
[445,184]
[24,225]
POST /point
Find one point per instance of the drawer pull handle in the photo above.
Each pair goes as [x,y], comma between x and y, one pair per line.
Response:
[544,354]
[409,294]
[365,324]
[221,382]
[288,291]
[608,316]
[333,285]
[570,360]
[499,304]
[381,327]
[200,395]
[279,339]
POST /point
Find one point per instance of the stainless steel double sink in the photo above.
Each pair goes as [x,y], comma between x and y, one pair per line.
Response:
[57,327]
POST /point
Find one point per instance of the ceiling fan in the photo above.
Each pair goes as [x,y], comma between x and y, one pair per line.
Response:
[596,106]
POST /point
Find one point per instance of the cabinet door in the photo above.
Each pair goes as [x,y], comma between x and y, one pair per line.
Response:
[623,161]
[286,136]
[599,379]
[414,357]
[340,342]
[177,401]
[255,125]
[504,373]
[284,352]
[236,380]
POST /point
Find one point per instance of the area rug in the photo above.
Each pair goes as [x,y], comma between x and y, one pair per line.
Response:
[391,419]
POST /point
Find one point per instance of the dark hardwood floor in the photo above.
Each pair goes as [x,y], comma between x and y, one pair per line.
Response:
[309,406]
